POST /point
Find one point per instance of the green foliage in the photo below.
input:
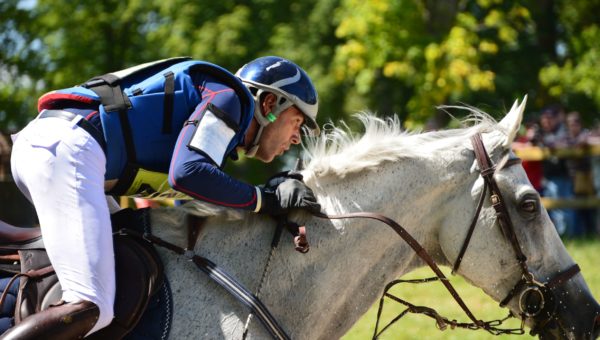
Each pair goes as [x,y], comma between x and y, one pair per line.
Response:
[400,57]
[574,76]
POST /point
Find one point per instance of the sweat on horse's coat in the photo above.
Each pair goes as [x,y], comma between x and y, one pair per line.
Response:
[427,182]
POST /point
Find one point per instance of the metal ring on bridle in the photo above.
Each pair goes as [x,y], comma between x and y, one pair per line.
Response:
[525,295]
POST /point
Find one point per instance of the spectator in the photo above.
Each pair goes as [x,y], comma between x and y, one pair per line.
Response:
[556,182]
[580,171]
[531,137]
[594,139]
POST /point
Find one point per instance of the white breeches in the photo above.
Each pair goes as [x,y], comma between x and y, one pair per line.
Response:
[60,168]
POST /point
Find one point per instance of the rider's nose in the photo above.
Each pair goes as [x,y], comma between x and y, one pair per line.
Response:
[296,137]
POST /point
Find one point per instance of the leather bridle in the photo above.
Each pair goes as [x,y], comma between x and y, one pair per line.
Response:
[536,299]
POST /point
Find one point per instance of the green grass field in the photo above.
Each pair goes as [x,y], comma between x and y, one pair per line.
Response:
[585,253]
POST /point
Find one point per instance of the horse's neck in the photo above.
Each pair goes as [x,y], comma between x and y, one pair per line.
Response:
[352,265]
[320,295]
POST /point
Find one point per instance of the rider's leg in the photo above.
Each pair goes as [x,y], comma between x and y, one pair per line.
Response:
[61,167]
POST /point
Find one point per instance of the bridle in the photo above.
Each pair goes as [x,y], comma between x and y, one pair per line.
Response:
[536,298]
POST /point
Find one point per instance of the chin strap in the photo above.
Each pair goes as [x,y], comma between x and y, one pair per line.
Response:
[263,121]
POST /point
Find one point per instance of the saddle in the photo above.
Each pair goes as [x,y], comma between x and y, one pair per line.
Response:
[139,271]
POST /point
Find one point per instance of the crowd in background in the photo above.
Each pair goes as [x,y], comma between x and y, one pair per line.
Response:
[565,177]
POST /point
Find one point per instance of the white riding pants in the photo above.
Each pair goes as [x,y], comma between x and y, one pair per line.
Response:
[60,169]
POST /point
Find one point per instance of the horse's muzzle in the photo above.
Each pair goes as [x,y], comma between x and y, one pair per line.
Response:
[577,316]
[596,327]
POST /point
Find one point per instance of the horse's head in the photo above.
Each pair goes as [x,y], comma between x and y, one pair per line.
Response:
[519,259]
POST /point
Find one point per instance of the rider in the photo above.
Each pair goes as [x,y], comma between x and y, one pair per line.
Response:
[123,133]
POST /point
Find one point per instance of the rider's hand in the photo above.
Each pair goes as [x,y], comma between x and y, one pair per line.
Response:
[274,181]
[288,193]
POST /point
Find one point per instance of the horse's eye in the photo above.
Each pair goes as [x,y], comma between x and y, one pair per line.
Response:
[529,206]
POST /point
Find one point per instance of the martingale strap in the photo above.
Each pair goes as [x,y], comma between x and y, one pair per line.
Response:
[222,278]
[489,326]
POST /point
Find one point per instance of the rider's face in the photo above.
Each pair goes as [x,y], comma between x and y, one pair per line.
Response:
[280,135]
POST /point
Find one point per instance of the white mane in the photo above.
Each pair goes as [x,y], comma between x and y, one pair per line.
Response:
[338,151]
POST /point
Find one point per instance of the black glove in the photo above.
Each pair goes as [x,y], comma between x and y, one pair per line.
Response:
[274,181]
[289,193]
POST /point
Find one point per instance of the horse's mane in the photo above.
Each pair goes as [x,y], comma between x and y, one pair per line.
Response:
[339,151]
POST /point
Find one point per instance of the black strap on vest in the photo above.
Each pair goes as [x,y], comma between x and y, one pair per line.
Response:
[107,87]
[112,97]
[168,103]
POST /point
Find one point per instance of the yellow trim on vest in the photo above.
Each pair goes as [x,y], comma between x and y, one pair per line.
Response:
[147,183]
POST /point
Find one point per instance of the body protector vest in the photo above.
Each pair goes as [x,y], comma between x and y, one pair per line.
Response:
[143,109]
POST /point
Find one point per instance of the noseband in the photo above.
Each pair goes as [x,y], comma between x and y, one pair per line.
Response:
[536,299]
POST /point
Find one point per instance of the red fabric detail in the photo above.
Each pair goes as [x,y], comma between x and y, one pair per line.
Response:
[212,93]
[88,117]
[49,100]
[535,173]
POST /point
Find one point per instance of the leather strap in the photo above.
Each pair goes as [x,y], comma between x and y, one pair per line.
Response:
[419,250]
[223,279]
[467,240]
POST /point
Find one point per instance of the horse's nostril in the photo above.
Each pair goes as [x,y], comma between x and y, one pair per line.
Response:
[596,329]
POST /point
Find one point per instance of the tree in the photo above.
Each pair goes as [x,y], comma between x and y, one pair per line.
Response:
[401,50]
[573,76]
[19,66]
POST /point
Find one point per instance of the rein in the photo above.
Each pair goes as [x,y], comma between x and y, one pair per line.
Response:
[441,322]
[535,299]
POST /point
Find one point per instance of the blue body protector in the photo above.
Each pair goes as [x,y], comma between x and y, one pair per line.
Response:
[155,118]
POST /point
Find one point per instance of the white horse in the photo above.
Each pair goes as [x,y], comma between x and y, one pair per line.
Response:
[429,183]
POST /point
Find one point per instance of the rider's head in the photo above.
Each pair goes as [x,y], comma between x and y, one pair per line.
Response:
[279,86]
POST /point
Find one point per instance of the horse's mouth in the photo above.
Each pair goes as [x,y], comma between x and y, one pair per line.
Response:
[554,330]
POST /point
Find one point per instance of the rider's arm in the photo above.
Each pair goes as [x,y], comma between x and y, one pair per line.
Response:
[194,168]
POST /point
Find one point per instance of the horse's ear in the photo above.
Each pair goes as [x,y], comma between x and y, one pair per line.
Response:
[512,121]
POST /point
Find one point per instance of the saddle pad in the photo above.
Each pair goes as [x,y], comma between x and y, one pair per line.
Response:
[156,322]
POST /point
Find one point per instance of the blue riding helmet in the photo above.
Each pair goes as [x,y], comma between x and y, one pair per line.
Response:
[288,82]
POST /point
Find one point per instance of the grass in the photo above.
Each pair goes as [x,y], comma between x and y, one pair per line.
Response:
[584,251]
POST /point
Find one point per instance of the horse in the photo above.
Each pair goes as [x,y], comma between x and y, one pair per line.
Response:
[429,182]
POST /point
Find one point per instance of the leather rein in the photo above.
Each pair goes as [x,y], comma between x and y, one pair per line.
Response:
[535,298]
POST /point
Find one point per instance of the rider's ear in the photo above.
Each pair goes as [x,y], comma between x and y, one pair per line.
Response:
[268,103]
[512,121]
